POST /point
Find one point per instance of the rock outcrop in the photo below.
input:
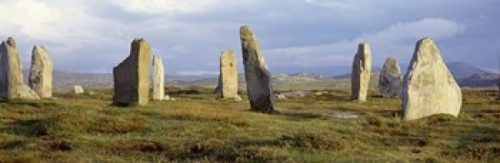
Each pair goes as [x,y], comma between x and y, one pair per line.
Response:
[257,76]
[40,79]
[428,86]
[361,71]
[158,79]
[390,81]
[11,75]
[227,87]
[131,77]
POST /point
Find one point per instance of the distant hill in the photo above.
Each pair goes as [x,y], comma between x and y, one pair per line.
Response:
[458,70]
[465,74]
[480,80]
[64,80]
[464,70]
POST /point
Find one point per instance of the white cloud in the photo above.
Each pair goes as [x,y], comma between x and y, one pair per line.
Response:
[175,6]
[338,4]
[437,28]
[164,6]
[69,26]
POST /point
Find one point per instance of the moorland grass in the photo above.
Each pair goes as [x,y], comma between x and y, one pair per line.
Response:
[197,128]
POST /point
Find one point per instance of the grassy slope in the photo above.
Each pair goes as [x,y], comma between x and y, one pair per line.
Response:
[87,128]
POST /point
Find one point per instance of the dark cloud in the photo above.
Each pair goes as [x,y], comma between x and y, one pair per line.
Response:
[294,34]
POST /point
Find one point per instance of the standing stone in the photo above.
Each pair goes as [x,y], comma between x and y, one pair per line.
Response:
[78,89]
[40,79]
[158,79]
[131,77]
[228,77]
[258,78]
[361,71]
[428,86]
[389,83]
[498,93]
[11,74]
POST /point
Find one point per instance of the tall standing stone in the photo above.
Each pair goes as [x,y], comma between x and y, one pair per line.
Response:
[40,79]
[131,77]
[428,86]
[158,79]
[228,77]
[498,82]
[361,71]
[390,78]
[11,74]
[258,78]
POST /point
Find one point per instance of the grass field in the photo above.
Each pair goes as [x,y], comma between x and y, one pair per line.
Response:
[196,128]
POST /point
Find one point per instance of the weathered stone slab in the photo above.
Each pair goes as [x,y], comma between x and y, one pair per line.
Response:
[390,80]
[227,87]
[131,77]
[158,79]
[428,86]
[257,76]
[361,71]
[40,79]
[11,75]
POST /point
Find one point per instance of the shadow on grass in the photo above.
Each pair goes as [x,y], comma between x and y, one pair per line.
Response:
[483,144]
[10,145]
[301,116]
[241,150]
[29,128]
[246,150]
[124,105]
[19,102]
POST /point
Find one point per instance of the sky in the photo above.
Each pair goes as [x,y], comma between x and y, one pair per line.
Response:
[295,35]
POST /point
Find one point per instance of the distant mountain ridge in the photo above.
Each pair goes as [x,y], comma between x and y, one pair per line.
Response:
[463,70]
[465,74]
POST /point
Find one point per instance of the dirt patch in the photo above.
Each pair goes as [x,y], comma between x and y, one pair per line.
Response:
[53,144]
[140,147]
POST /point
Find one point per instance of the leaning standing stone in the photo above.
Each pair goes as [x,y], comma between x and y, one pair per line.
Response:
[11,75]
[228,77]
[390,80]
[361,71]
[158,79]
[40,79]
[428,86]
[258,78]
[131,77]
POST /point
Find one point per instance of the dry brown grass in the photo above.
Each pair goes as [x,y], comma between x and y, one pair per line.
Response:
[196,128]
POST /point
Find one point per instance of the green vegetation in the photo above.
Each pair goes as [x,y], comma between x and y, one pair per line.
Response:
[196,128]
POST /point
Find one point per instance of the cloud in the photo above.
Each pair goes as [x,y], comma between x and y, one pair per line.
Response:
[437,28]
[164,6]
[397,39]
[338,4]
[94,35]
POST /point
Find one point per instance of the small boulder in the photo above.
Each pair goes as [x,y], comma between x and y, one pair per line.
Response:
[78,89]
